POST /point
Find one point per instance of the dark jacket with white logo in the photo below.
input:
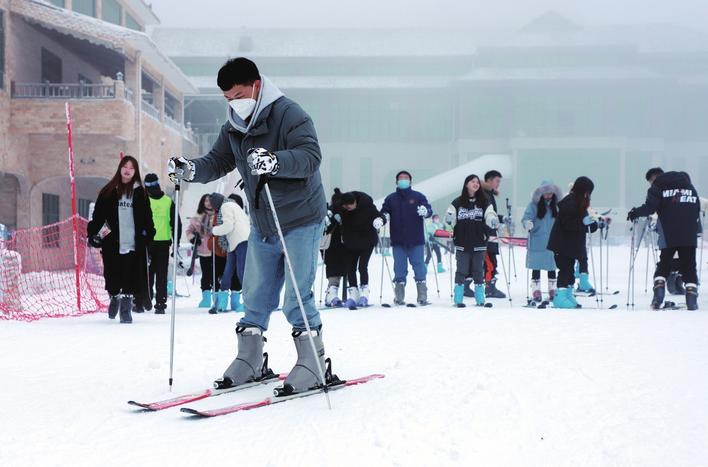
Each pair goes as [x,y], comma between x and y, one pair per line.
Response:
[471,224]
[675,200]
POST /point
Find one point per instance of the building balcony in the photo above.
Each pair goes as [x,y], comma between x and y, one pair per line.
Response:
[64,91]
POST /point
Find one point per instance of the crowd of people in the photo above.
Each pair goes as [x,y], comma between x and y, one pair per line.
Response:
[250,257]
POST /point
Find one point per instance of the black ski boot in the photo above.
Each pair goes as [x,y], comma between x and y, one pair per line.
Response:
[691,297]
[659,293]
[138,305]
[305,374]
[114,305]
[160,308]
[249,362]
[671,284]
[126,303]
[491,290]
[469,288]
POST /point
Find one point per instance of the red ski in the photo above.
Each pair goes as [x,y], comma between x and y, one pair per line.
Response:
[196,396]
[276,400]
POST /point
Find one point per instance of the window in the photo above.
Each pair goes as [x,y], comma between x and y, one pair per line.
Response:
[85,7]
[59,3]
[171,106]
[131,23]
[112,11]
[50,215]
[84,207]
[51,67]
[2,49]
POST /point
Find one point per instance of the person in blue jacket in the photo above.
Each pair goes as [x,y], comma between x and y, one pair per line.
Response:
[538,221]
[406,209]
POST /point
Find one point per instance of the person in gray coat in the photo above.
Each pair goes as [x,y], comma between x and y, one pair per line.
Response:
[538,220]
[269,137]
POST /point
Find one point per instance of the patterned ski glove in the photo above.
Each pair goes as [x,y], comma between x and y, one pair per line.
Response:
[493,222]
[422,211]
[378,223]
[261,162]
[179,168]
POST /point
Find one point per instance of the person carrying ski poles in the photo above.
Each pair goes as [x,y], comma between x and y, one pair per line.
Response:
[272,142]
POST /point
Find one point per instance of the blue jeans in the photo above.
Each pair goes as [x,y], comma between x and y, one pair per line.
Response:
[266,272]
[402,255]
[235,264]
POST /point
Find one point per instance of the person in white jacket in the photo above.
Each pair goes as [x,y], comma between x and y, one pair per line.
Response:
[232,228]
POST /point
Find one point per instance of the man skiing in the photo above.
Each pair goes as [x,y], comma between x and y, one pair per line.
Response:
[492,182]
[269,137]
[675,200]
[407,208]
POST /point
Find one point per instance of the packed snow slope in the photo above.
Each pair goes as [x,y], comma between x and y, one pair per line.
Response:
[506,386]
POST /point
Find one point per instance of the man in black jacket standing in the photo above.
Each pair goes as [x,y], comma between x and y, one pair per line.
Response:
[492,180]
[675,200]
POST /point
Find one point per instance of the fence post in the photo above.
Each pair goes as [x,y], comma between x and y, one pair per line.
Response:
[74,217]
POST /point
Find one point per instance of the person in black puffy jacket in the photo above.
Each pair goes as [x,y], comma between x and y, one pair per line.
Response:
[359,235]
[676,201]
[567,239]
[122,227]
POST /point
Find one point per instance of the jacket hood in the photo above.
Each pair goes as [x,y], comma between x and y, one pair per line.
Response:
[673,179]
[545,187]
[268,94]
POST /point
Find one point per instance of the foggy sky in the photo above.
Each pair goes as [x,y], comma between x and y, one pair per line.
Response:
[417,13]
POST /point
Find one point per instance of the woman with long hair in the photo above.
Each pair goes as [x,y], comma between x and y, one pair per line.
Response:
[538,221]
[567,239]
[122,227]
[471,215]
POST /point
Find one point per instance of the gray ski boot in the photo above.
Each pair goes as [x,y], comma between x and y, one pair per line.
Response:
[422,289]
[126,304]
[659,292]
[400,293]
[113,306]
[250,364]
[305,374]
[691,297]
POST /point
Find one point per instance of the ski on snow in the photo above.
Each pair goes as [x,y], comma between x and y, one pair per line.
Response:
[196,396]
[208,413]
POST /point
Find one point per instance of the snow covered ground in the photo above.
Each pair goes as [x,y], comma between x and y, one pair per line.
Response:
[504,386]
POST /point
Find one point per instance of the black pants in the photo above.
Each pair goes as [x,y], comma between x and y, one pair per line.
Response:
[470,264]
[431,247]
[119,272]
[583,265]
[157,273]
[687,263]
[206,265]
[360,261]
[536,274]
[566,271]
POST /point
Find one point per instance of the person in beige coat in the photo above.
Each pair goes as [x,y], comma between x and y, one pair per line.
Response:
[232,229]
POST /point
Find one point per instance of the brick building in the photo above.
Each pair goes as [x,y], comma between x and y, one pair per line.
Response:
[126,96]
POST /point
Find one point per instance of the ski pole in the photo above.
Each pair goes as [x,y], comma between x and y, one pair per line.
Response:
[174,288]
[592,265]
[430,252]
[382,269]
[297,293]
[631,260]
[647,247]
[506,277]
[607,255]
[703,232]
[322,274]
[213,273]
[452,298]
[593,272]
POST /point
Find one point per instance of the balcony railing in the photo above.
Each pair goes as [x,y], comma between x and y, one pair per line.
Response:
[63,91]
[128,94]
[151,110]
[172,123]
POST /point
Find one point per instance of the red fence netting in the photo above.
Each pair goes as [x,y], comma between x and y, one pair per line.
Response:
[38,273]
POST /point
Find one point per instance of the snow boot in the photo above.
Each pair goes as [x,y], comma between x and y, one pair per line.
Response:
[691,297]
[584,285]
[160,308]
[206,299]
[479,294]
[659,292]
[332,296]
[305,374]
[363,295]
[422,289]
[551,289]
[221,302]
[236,304]
[441,269]
[147,304]
[491,290]
[674,284]
[459,293]
[126,303]
[536,295]
[399,293]
[571,297]
[562,298]
[113,306]
[250,363]
[352,297]
[469,290]
[138,305]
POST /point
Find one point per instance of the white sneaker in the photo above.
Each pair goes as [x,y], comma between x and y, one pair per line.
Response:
[332,296]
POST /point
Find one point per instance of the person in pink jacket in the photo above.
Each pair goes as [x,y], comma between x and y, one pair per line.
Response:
[199,232]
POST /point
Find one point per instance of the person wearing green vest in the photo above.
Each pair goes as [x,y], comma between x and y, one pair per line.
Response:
[163,212]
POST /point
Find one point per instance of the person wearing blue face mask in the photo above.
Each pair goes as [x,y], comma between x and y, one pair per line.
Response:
[406,209]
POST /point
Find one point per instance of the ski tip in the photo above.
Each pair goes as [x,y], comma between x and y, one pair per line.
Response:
[141,405]
[191,411]
[613,307]
[386,305]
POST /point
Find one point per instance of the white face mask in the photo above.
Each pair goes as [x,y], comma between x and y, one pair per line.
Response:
[244,107]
